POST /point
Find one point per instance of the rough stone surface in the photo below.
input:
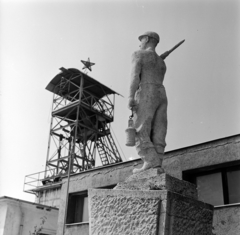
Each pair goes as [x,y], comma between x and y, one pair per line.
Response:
[124,212]
[153,179]
[189,217]
[147,212]
[145,174]
[172,167]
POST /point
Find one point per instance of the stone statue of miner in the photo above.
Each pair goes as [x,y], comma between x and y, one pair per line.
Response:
[148,100]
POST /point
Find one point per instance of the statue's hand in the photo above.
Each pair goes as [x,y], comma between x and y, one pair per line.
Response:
[132,104]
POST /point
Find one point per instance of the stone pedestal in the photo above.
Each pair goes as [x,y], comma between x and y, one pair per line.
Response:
[149,203]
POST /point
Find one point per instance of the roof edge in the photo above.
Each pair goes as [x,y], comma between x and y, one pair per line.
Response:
[28,202]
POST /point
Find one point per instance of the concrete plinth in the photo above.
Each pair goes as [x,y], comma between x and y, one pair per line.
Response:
[130,210]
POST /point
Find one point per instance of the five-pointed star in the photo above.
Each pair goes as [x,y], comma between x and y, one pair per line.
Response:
[87,64]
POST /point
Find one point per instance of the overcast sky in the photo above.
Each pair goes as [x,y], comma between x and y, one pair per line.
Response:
[38,37]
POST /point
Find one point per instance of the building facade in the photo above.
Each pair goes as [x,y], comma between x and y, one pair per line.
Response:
[18,217]
[213,166]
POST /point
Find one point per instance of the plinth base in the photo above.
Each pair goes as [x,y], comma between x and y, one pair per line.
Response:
[148,212]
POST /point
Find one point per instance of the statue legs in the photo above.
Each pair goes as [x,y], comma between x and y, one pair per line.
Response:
[151,128]
[159,127]
[150,159]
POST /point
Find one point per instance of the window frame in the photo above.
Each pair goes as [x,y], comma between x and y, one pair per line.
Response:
[191,176]
[76,216]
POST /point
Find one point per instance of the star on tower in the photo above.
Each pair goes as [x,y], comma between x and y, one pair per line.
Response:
[87,64]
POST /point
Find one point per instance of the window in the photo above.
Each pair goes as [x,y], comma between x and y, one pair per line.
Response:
[217,185]
[77,208]
[233,177]
[210,188]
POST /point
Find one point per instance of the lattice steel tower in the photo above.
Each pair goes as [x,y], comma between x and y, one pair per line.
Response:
[82,111]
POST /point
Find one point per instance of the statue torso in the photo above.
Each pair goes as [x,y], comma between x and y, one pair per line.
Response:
[153,68]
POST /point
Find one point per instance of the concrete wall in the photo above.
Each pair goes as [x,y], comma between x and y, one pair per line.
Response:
[76,229]
[21,217]
[226,220]
[3,215]
[202,155]
[49,197]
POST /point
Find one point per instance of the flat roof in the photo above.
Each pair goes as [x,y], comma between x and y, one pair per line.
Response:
[33,203]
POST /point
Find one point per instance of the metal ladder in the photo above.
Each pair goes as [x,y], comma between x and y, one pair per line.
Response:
[102,151]
[107,150]
[114,148]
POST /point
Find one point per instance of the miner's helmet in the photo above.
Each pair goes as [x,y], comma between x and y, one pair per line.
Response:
[150,34]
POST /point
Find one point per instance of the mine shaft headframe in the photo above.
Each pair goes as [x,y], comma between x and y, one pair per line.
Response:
[81,116]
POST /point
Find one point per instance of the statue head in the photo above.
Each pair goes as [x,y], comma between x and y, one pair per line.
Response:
[149,39]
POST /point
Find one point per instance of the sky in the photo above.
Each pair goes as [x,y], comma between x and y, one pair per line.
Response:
[39,37]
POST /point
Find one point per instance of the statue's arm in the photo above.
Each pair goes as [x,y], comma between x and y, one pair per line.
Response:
[135,78]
